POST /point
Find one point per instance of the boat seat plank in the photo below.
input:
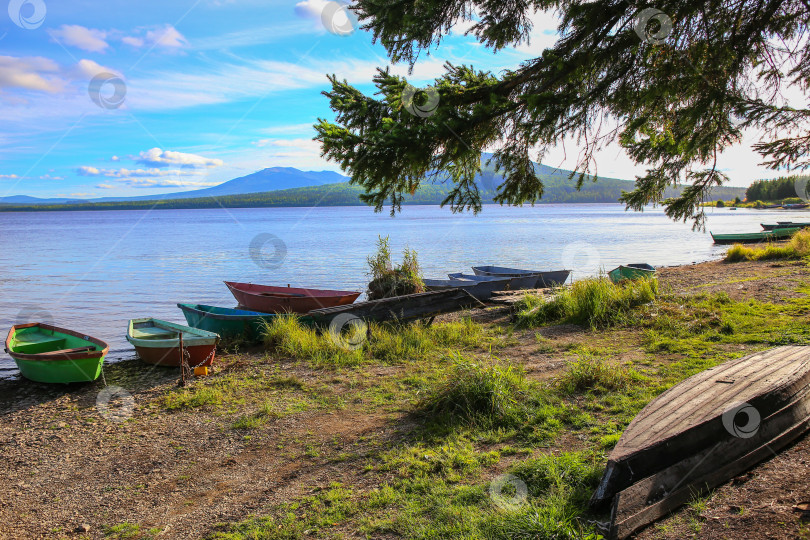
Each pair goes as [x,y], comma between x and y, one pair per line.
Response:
[153,332]
[38,338]
[74,350]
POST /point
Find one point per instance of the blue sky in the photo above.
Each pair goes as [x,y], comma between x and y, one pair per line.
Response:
[215,89]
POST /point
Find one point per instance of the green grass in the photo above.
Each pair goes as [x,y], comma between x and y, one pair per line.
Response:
[590,373]
[798,247]
[388,344]
[476,392]
[469,417]
[593,302]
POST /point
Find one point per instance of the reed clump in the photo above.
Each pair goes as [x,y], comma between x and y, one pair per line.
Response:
[388,280]
[798,247]
[595,302]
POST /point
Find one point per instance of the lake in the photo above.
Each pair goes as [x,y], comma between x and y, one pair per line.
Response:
[92,271]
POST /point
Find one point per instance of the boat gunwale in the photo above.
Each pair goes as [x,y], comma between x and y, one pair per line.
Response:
[329,293]
[55,356]
[246,314]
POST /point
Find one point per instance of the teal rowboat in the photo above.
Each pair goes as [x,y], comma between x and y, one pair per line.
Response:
[783,225]
[763,236]
[49,354]
[227,322]
[631,271]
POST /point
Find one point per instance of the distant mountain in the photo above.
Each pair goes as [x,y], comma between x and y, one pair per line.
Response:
[272,179]
[287,186]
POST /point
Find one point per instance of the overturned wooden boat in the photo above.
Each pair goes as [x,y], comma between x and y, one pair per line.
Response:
[227,322]
[270,299]
[479,289]
[545,278]
[159,342]
[49,354]
[404,308]
[703,432]
[754,237]
[631,271]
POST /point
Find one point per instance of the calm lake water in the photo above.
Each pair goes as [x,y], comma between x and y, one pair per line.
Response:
[92,271]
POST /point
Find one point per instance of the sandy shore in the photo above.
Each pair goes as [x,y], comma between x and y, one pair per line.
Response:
[177,472]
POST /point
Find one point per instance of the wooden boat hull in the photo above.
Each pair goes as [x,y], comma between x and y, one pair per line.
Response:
[631,272]
[514,283]
[764,236]
[544,279]
[401,308]
[199,355]
[269,299]
[227,322]
[49,354]
[783,225]
[691,439]
[479,289]
[158,342]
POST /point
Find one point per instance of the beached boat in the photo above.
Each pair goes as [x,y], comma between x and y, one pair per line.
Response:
[158,342]
[631,271]
[50,354]
[269,299]
[479,289]
[797,206]
[550,278]
[704,431]
[763,236]
[783,225]
[227,322]
[514,283]
[409,307]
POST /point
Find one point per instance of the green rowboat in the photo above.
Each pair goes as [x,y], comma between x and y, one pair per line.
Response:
[764,236]
[632,272]
[49,354]
[227,322]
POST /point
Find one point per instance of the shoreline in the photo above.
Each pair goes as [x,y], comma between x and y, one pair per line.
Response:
[269,429]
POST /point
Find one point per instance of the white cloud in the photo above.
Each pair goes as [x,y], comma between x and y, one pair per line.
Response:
[9,177]
[132,41]
[87,69]
[167,158]
[106,186]
[30,73]
[135,173]
[83,38]
[49,177]
[310,9]
[166,37]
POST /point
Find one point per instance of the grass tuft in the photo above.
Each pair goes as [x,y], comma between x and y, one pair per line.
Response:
[594,302]
[589,373]
[476,393]
[798,247]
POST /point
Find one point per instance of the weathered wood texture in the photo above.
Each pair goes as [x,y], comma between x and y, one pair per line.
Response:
[703,431]
[687,418]
[402,308]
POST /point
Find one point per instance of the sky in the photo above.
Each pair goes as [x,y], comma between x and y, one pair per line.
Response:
[123,98]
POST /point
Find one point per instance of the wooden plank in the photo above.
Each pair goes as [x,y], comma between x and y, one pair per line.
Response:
[403,308]
[687,418]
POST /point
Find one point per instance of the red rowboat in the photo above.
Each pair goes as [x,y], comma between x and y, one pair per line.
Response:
[268,299]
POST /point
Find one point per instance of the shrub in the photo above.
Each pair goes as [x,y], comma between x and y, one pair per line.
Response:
[387,280]
[721,204]
[594,302]
[798,247]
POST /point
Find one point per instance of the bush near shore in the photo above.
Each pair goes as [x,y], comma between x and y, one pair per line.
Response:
[798,247]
